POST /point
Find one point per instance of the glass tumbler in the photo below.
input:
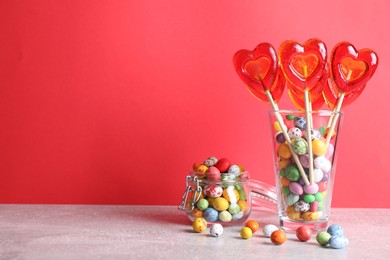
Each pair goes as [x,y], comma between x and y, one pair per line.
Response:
[304,156]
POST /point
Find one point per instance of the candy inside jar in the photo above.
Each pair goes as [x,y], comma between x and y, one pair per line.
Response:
[221,192]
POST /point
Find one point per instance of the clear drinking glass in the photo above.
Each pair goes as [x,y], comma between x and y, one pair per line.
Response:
[304,175]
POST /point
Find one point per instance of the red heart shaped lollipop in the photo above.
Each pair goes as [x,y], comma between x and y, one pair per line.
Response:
[351,69]
[303,65]
[258,68]
[331,95]
[299,103]
[276,90]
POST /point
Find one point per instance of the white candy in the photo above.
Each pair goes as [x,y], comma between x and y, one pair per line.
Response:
[323,164]
[234,169]
[294,133]
[269,229]
[318,175]
[216,230]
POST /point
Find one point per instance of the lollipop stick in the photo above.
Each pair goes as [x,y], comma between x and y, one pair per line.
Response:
[308,133]
[283,127]
[334,118]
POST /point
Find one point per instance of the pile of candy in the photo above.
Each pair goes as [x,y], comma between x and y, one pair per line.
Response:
[303,201]
[223,195]
[333,237]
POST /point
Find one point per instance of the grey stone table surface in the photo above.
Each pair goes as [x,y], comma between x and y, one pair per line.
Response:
[163,232]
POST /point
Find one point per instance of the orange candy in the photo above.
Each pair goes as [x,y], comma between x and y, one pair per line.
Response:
[231,192]
[284,151]
[278,237]
[253,225]
[285,181]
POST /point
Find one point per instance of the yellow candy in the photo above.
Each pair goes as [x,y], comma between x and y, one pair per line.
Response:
[242,204]
[292,214]
[231,192]
[284,151]
[220,204]
[199,225]
[310,215]
[246,232]
[319,147]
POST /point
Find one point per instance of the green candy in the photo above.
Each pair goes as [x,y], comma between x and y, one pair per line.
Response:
[286,190]
[323,238]
[322,130]
[318,196]
[309,198]
[234,208]
[290,117]
[292,173]
[202,204]
[300,146]
[282,172]
[320,206]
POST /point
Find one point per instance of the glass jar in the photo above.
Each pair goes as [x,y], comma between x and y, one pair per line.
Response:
[227,201]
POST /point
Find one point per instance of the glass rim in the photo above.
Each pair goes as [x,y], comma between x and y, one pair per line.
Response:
[243,177]
[321,112]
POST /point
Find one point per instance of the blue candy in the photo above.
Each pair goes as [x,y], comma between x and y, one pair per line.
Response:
[300,122]
[211,214]
[338,242]
[335,230]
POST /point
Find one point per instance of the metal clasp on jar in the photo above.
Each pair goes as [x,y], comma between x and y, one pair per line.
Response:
[191,194]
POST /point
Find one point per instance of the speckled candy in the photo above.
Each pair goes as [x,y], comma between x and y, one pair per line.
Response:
[315,134]
[269,229]
[234,208]
[199,225]
[216,230]
[338,242]
[300,146]
[294,133]
[300,122]
[225,216]
[310,216]
[211,161]
[335,230]
[292,173]
[238,215]
[301,206]
[213,191]
[234,169]
[322,163]
[211,214]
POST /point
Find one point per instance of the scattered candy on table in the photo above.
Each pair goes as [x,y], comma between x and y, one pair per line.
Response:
[216,230]
[278,237]
[246,232]
[199,225]
[253,225]
[304,233]
[269,229]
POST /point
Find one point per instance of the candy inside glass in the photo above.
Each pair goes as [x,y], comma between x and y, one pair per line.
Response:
[304,201]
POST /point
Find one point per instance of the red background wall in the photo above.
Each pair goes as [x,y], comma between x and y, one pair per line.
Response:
[110,102]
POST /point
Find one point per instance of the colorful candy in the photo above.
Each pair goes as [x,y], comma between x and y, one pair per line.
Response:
[278,237]
[304,233]
[246,232]
[199,225]
[269,229]
[253,225]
